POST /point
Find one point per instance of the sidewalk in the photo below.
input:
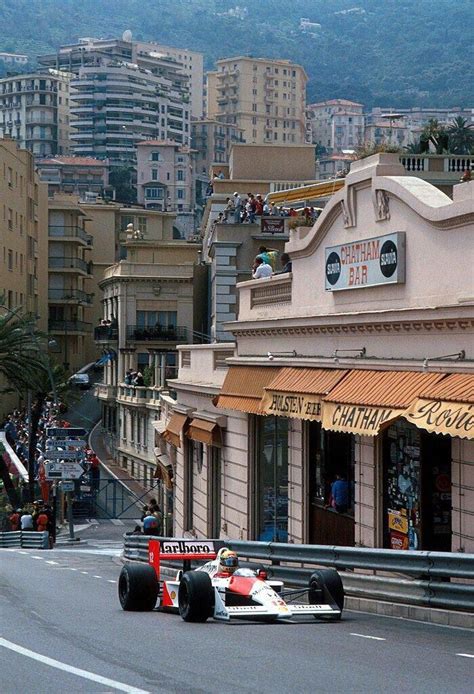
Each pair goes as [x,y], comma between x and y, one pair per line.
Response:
[97,444]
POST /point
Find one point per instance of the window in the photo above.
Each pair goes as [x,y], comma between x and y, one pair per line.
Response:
[142,224]
[254,107]
[271,466]
[155,156]
[180,175]
[154,174]
[180,194]
[214,478]
[153,193]
[188,485]
[10,260]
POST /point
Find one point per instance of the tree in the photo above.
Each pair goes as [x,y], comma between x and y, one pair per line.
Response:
[21,360]
[436,134]
[460,136]
[121,178]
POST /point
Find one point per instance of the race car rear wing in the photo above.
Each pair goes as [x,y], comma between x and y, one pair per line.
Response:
[180,550]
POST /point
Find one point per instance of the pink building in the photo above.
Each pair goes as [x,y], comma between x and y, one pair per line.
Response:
[355,368]
[165,176]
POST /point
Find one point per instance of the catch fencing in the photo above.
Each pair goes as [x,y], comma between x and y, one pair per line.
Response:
[26,539]
[430,579]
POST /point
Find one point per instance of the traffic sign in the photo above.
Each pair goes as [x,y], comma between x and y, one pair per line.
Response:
[65,432]
[65,471]
[70,443]
[56,454]
[67,485]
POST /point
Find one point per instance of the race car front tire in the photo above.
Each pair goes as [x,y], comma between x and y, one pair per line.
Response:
[195,596]
[138,588]
[325,581]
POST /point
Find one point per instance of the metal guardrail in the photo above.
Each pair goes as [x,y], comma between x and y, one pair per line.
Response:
[25,538]
[423,577]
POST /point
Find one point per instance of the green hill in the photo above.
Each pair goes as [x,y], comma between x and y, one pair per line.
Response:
[385,52]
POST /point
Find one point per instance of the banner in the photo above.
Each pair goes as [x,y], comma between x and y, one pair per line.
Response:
[357,419]
[293,405]
[440,417]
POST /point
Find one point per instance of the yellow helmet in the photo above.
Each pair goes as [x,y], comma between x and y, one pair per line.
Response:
[228,561]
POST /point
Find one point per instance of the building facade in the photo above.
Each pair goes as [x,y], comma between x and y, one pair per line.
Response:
[265,98]
[73,175]
[24,242]
[34,110]
[356,368]
[336,124]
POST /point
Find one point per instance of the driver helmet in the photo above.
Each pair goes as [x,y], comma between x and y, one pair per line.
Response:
[228,561]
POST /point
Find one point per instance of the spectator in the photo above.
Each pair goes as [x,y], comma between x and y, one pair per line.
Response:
[259,206]
[339,497]
[286,264]
[42,521]
[268,255]
[237,207]
[26,521]
[261,269]
[14,519]
[151,525]
[229,210]
[138,380]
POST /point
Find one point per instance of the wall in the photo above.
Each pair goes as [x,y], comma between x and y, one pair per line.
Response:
[272,162]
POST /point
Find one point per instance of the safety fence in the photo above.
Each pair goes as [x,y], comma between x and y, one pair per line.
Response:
[25,538]
[430,579]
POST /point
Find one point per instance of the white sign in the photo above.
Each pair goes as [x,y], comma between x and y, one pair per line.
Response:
[65,471]
[65,443]
[366,263]
[64,455]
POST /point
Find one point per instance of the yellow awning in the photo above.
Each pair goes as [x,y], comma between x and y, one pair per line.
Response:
[297,392]
[173,430]
[447,407]
[243,388]
[366,401]
[303,193]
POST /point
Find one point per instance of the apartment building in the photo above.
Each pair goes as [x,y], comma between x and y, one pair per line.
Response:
[389,130]
[265,98]
[74,175]
[336,124]
[23,243]
[154,300]
[124,93]
[34,110]
[13,58]
[212,140]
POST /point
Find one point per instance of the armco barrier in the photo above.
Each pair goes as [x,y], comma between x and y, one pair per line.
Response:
[26,539]
[421,578]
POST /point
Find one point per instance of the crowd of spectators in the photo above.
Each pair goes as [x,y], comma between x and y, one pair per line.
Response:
[134,378]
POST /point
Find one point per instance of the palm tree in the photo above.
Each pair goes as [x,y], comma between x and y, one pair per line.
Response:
[22,362]
[436,134]
[461,136]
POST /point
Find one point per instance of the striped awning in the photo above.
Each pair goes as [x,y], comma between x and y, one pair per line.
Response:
[243,388]
[365,401]
[447,407]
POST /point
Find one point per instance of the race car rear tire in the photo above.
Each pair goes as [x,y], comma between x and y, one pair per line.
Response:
[195,596]
[329,579]
[138,588]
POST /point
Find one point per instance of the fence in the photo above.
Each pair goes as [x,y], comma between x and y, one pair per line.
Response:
[423,578]
[25,538]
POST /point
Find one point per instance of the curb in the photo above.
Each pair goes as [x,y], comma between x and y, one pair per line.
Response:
[431,615]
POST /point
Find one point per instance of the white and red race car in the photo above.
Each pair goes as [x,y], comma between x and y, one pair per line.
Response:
[208,592]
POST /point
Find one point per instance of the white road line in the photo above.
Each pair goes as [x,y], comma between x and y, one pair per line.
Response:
[366,636]
[70,669]
[36,557]
[56,563]
[70,569]
[97,577]
[117,521]
[21,552]
[466,655]
[84,572]
[112,581]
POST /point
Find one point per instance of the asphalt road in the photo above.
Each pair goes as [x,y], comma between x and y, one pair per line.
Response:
[62,630]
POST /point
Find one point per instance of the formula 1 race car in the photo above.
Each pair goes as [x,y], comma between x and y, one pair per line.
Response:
[222,590]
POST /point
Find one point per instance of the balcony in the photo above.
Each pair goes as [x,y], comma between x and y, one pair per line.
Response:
[136,333]
[70,296]
[139,395]
[105,391]
[441,169]
[70,233]
[105,333]
[76,264]
[69,327]
[265,298]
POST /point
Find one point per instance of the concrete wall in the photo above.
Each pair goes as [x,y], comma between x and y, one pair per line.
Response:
[272,162]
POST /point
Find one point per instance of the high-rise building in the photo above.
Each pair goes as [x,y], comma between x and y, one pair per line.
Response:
[212,141]
[34,110]
[125,92]
[336,124]
[23,243]
[265,98]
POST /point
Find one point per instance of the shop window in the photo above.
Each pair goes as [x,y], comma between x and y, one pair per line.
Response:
[271,488]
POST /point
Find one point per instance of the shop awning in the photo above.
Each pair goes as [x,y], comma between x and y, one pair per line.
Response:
[159,426]
[447,407]
[205,432]
[297,392]
[243,388]
[173,430]
[364,401]
[164,469]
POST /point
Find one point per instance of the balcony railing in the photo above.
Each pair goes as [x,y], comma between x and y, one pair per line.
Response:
[266,293]
[105,391]
[72,295]
[69,326]
[62,232]
[157,334]
[69,264]
[105,333]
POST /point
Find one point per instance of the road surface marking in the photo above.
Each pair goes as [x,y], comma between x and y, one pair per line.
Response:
[84,572]
[50,561]
[72,569]
[70,669]
[366,636]
[110,580]
[97,577]
[466,655]
[36,557]
[21,552]
[117,521]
